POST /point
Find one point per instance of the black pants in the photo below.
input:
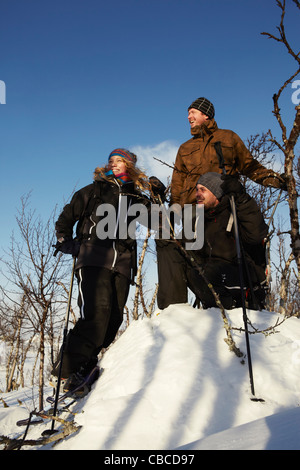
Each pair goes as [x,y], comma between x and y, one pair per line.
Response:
[176,275]
[225,279]
[172,275]
[102,297]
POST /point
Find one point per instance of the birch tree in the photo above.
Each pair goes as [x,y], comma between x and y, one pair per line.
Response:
[289,137]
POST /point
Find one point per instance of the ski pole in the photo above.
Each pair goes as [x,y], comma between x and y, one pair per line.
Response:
[242,287]
[241,274]
[52,430]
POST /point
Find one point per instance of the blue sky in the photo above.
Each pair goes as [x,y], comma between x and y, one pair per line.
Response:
[85,77]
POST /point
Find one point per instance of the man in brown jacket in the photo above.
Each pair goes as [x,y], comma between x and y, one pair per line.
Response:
[196,157]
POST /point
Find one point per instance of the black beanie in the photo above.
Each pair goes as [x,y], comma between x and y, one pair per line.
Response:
[212,181]
[205,106]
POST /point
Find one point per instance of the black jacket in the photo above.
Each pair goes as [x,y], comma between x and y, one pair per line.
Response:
[219,237]
[114,252]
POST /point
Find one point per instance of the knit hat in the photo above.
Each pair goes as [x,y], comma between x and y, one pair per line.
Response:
[205,106]
[129,156]
[212,181]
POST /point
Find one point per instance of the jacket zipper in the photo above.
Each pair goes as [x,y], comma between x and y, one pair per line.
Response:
[117,225]
[116,230]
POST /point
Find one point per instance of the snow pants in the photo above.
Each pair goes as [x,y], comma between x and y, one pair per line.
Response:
[225,279]
[172,275]
[176,275]
[101,300]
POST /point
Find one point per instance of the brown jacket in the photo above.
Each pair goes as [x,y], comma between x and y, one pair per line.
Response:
[198,156]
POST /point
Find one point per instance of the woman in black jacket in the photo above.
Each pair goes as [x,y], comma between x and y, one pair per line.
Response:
[106,260]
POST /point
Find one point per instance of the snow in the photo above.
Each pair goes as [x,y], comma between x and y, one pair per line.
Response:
[171,383]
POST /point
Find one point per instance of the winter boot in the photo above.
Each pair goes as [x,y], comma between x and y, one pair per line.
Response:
[53,383]
[76,383]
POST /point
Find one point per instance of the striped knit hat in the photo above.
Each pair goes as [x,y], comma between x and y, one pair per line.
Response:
[129,156]
[205,106]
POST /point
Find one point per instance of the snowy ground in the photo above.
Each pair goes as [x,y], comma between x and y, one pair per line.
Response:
[171,383]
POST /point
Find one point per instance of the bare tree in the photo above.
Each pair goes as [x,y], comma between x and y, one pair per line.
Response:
[286,294]
[289,138]
[139,295]
[15,342]
[33,273]
[262,150]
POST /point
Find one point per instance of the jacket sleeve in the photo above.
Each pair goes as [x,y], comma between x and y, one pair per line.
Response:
[71,213]
[250,167]
[252,226]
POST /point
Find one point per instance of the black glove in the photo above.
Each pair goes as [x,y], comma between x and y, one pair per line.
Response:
[283,182]
[158,188]
[68,247]
[232,185]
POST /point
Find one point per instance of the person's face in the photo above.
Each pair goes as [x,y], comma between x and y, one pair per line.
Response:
[206,197]
[196,117]
[117,165]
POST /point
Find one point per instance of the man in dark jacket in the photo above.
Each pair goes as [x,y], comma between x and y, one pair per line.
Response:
[218,256]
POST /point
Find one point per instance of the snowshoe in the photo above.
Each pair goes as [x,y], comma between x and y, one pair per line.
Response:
[77,385]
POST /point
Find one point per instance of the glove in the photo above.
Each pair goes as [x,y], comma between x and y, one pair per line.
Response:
[232,185]
[283,182]
[67,246]
[158,188]
[276,181]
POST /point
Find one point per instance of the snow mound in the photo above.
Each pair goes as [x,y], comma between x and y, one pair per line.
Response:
[170,382]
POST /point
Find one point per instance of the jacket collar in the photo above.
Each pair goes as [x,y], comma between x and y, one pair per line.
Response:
[112,179]
[223,205]
[205,130]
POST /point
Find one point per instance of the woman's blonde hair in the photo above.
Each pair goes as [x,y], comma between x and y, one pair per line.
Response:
[138,177]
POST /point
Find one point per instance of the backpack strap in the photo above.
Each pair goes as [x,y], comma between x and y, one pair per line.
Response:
[219,152]
[220,155]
